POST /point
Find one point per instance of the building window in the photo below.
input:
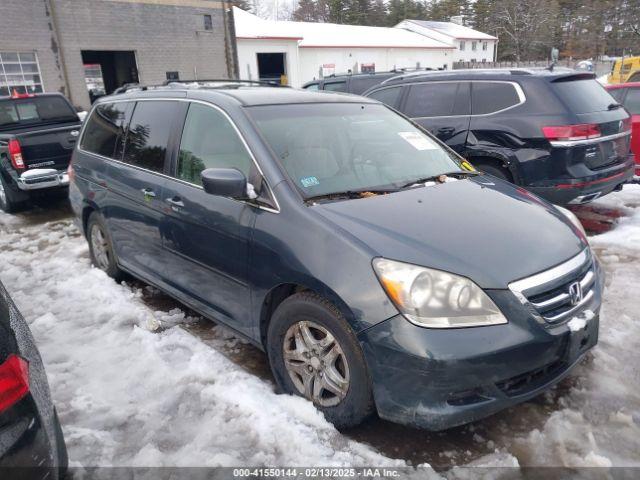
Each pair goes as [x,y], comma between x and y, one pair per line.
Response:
[173,76]
[474,46]
[462,46]
[208,22]
[484,46]
[19,71]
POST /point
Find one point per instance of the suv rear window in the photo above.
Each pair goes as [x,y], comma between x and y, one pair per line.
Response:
[490,97]
[583,96]
[632,102]
[335,86]
[361,84]
[104,132]
[35,110]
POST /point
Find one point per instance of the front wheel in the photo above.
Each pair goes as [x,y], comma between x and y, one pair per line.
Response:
[314,354]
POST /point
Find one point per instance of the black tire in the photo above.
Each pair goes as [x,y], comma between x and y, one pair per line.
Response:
[96,225]
[8,201]
[357,404]
[496,170]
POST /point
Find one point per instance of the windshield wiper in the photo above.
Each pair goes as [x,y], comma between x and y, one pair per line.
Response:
[350,194]
[435,177]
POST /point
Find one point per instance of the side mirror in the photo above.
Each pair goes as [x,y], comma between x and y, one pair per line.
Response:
[225,182]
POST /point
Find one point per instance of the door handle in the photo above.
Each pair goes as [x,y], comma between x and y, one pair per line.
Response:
[147,192]
[445,131]
[175,202]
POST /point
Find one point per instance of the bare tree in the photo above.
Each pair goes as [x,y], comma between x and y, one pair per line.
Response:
[525,26]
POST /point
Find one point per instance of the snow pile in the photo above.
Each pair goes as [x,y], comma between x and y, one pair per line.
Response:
[585,432]
[134,387]
[127,396]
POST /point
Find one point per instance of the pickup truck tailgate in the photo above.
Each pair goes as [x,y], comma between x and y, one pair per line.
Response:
[48,147]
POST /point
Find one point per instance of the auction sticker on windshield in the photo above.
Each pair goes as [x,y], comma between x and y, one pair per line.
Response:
[418,141]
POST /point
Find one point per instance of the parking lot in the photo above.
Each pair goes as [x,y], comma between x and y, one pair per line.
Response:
[138,379]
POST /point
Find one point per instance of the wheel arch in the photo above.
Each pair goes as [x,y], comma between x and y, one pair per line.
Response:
[279,293]
[496,159]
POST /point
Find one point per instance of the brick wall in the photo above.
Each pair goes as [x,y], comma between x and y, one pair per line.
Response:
[24,26]
[166,35]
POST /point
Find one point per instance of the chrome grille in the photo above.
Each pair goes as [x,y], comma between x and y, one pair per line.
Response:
[558,293]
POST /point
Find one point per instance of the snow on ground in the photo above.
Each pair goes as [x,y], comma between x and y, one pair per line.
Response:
[130,393]
[129,396]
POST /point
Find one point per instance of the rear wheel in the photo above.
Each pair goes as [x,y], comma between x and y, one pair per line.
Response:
[314,354]
[101,247]
[8,202]
[494,169]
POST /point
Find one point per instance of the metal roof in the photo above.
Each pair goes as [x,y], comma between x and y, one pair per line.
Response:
[331,35]
[453,30]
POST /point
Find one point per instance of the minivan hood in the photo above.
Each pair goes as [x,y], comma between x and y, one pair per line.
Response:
[482,228]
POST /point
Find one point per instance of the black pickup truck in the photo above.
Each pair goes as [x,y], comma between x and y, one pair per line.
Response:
[37,136]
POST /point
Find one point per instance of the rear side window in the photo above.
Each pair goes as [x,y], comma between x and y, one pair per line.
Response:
[583,96]
[104,132]
[209,141]
[36,109]
[361,84]
[335,86]
[490,97]
[148,134]
[388,96]
[437,100]
[617,93]
[632,102]
[313,86]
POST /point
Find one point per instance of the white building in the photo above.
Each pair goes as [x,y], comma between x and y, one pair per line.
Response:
[470,45]
[305,51]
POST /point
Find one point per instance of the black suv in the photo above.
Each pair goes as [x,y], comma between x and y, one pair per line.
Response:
[356,83]
[557,132]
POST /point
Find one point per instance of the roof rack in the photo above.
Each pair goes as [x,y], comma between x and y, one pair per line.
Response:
[200,83]
[264,83]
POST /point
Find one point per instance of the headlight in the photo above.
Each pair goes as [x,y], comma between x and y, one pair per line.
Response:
[436,299]
[573,219]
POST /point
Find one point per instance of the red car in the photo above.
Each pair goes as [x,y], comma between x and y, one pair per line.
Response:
[628,94]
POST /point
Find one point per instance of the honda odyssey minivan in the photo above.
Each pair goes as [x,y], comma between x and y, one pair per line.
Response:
[378,270]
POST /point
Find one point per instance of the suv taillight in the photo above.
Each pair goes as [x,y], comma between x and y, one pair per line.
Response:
[570,133]
[14,381]
[15,154]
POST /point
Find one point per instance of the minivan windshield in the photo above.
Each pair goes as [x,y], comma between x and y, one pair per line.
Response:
[346,147]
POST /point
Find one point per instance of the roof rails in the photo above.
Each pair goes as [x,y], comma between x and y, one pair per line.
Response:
[206,83]
[263,83]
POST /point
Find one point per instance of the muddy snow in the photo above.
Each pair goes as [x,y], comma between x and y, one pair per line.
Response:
[139,380]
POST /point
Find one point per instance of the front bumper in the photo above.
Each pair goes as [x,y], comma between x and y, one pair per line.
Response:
[41,178]
[441,378]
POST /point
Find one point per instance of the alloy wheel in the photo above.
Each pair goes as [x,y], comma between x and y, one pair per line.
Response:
[3,194]
[100,247]
[316,363]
